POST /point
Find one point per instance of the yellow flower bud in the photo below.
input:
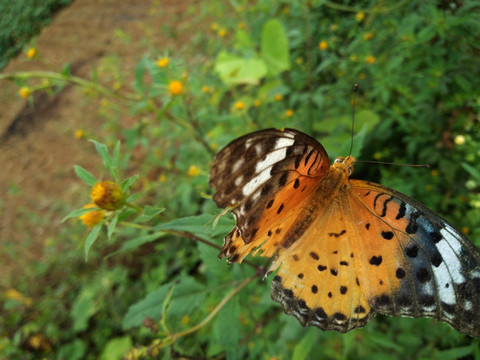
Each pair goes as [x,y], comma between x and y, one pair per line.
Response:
[239,105]
[31,53]
[92,218]
[278,97]
[107,195]
[175,87]
[163,62]
[323,45]
[25,92]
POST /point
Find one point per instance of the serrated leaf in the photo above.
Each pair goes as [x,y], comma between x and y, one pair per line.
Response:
[274,47]
[86,176]
[91,238]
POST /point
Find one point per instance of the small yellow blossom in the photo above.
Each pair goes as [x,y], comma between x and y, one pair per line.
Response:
[239,105]
[205,89]
[175,87]
[428,187]
[193,171]
[25,92]
[117,85]
[214,27]
[31,53]
[286,10]
[370,59]
[459,140]
[222,32]
[185,319]
[368,36]
[434,172]
[466,230]
[353,57]
[289,112]
[107,195]
[334,27]
[162,62]
[278,97]
[377,156]
[13,294]
[359,16]
[79,134]
[162,178]
[38,341]
[241,25]
[323,45]
[299,60]
[257,103]
[92,218]
[361,76]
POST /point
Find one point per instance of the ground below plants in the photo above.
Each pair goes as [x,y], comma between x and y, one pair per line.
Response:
[37,144]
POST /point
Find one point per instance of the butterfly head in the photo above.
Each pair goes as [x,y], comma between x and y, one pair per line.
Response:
[345,164]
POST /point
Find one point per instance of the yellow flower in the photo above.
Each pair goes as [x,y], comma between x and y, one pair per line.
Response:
[466,230]
[205,89]
[241,25]
[222,32]
[377,156]
[193,171]
[92,218]
[162,178]
[214,27]
[13,294]
[323,45]
[359,16]
[117,85]
[361,76]
[353,57]
[299,60]
[278,97]
[175,87]
[31,53]
[162,62]
[459,140]
[107,195]
[368,36]
[239,105]
[334,27]
[257,103]
[79,134]
[286,10]
[25,92]
[289,112]
[370,59]
[434,172]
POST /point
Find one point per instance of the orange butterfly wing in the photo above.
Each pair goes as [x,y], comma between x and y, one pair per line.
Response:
[346,249]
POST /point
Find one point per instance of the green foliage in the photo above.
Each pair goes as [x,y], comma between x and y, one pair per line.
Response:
[153,278]
[20,21]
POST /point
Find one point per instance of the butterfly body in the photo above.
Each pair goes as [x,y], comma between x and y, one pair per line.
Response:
[344,249]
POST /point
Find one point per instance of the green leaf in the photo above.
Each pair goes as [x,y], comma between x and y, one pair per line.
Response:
[472,171]
[86,176]
[199,225]
[115,348]
[112,225]
[237,70]
[274,48]
[83,308]
[224,336]
[149,212]
[243,41]
[92,236]
[102,150]
[187,297]
[128,182]
[135,243]
[301,350]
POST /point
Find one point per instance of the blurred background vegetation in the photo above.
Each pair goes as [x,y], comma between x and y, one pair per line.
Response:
[151,278]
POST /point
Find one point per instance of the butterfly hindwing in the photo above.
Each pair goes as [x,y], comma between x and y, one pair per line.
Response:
[434,270]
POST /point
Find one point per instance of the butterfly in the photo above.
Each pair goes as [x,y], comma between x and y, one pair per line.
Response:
[343,249]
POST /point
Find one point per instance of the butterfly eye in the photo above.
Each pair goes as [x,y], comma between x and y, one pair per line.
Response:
[344,161]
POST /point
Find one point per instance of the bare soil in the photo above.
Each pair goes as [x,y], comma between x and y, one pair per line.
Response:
[37,144]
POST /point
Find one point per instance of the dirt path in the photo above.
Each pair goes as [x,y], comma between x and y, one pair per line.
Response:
[37,145]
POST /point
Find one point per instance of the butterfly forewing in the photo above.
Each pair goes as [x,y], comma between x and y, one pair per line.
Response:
[266,177]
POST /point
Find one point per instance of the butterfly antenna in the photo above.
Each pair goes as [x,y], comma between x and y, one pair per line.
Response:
[355,88]
[424,166]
